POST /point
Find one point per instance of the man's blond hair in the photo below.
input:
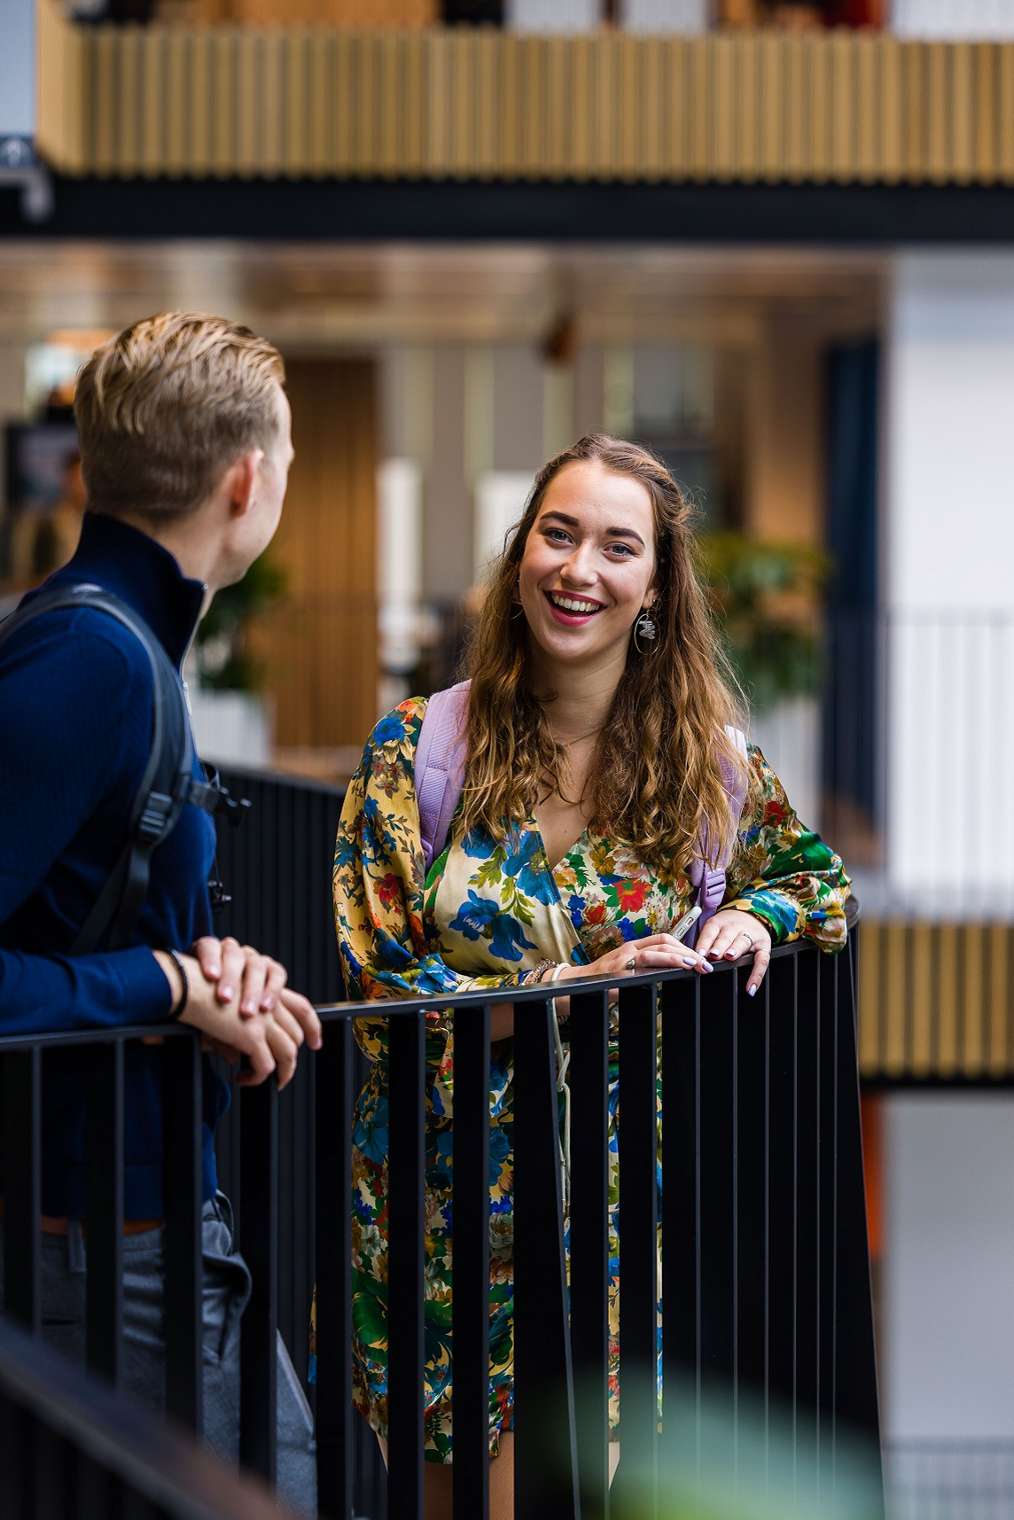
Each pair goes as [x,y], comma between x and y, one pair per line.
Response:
[164,408]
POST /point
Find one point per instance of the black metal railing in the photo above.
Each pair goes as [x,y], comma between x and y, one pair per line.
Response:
[764,1268]
[71,1448]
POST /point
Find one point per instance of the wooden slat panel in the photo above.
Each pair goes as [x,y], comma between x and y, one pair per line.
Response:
[962,129]
[1006,166]
[868,116]
[896,995]
[248,62]
[891,156]
[985,104]
[296,60]
[803,110]
[229,100]
[869,997]
[179,75]
[225,86]
[108,56]
[947,997]
[973,994]
[999,995]
[921,1059]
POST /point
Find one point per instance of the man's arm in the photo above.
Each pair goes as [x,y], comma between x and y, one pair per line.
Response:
[69,700]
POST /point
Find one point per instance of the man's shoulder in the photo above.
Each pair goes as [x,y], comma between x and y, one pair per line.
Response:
[82,642]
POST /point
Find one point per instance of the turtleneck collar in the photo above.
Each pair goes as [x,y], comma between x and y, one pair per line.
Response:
[136,568]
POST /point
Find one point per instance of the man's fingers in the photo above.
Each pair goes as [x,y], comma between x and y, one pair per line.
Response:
[208,952]
[302,1010]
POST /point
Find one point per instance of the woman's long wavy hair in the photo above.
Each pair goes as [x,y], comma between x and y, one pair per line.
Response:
[657,772]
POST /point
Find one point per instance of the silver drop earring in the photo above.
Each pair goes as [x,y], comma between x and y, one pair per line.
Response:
[646,629]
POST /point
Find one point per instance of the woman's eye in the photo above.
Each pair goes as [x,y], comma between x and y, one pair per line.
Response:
[556,534]
[625,550]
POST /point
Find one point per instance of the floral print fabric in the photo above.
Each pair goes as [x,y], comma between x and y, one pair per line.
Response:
[488,911]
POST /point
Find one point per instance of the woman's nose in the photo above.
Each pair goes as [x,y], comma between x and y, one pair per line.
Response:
[578,567]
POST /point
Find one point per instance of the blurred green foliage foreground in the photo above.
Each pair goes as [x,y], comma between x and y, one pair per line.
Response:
[721,1464]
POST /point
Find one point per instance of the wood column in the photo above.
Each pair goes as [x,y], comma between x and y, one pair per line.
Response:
[320,644]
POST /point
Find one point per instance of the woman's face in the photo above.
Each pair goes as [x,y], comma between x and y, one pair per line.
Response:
[588,565]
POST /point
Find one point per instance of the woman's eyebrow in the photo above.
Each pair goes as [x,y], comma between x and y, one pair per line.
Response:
[572,522]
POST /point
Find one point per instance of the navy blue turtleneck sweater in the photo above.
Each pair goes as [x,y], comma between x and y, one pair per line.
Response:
[75,735]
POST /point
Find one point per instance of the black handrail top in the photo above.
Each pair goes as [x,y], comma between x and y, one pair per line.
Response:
[397,1007]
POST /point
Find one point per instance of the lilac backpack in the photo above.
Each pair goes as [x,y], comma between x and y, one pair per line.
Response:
[440,773]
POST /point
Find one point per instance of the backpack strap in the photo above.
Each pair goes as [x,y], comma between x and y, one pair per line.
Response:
[709,882]
[167,784]
[440,766]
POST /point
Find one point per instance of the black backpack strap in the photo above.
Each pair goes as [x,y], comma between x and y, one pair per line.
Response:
[166,786]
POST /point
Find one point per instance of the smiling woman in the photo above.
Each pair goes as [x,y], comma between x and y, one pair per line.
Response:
[603,792]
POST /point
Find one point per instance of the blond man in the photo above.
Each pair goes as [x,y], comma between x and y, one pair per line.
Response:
[185,449]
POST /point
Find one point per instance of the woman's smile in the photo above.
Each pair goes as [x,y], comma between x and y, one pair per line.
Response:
[570,610]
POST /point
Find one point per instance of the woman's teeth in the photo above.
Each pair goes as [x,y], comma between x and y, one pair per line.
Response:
[574,604]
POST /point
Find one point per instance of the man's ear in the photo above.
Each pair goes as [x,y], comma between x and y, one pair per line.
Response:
[241,482]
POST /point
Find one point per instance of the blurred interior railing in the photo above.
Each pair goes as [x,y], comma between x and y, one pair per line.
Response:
[950,1480]
[477,103]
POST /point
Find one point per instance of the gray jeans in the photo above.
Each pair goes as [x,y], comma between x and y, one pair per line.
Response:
[226,1294]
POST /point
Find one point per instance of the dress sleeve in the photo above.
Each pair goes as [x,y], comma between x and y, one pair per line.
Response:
[782,872]
[378,883]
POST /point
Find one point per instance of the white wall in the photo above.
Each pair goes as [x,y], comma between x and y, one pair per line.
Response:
[947,1351]
[982,19]
[949,586]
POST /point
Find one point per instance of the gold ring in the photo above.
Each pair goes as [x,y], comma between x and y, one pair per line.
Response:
[631,964]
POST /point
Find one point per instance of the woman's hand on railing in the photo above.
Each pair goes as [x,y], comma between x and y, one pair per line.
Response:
[730,934]
[656,952]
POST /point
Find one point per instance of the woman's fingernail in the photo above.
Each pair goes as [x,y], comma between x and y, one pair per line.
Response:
[267,1004]
[214,969]
[751,992]
[249,1006]
[226,993]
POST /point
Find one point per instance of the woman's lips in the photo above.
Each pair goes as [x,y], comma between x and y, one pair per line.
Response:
[571,619]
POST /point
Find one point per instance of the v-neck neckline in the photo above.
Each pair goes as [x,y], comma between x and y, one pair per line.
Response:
[554,865]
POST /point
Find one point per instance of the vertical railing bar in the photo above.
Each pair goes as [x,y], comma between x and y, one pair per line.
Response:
[795,1220]
[545,1447]
[470,1213]
[258,1402]
[735,1223]
[638,1190]
[767,1233]
[331,1095]
[104,1213]
[819,1255]
[22,1173]
[405,1267]
[588,1032]
[679,1319]
[698,1260]
[182,1073]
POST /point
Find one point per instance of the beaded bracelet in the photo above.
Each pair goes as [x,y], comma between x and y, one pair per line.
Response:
[538,972]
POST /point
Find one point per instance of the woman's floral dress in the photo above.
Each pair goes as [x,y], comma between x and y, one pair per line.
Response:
[487,912]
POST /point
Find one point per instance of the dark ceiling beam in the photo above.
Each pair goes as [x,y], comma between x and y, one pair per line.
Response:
[351,211]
